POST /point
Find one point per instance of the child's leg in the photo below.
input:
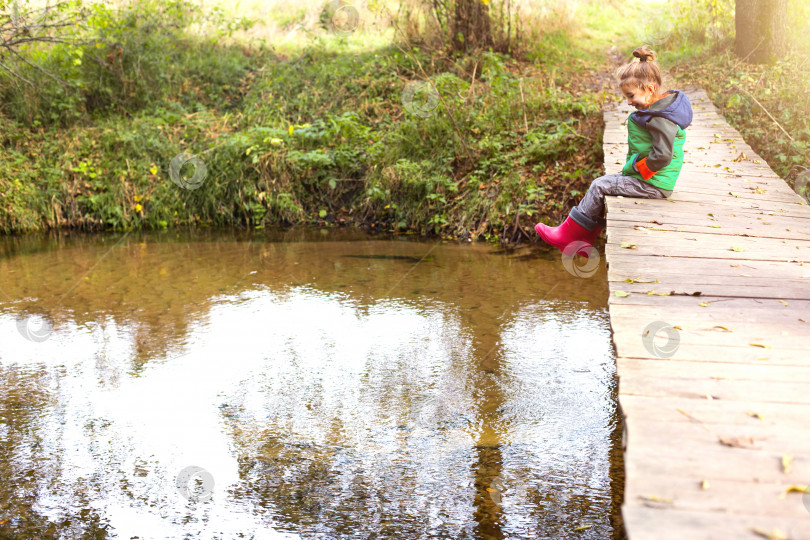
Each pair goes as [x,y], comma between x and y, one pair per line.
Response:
[590,210]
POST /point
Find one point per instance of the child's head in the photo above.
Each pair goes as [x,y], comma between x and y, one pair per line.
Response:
[640,80]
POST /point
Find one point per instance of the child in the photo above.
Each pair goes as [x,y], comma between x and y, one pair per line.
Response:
[654,158]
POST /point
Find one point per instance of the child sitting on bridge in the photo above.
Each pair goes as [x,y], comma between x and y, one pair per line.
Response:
[654,158]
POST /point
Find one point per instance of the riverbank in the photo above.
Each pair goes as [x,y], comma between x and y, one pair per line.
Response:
[173,129]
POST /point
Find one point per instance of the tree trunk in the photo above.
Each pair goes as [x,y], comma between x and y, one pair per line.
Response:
[761,27]
[471,28]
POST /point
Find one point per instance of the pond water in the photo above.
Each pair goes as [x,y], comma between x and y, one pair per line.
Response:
[303,385]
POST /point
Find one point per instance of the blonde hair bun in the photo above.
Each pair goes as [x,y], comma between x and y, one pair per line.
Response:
[644,54]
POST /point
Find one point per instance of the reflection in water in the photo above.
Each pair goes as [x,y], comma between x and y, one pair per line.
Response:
[331,387]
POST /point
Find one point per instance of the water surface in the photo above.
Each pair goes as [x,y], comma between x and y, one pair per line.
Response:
[302,385]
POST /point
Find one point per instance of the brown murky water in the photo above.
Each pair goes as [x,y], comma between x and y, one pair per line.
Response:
[302,385]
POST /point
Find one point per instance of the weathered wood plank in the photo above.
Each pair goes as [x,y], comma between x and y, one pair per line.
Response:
[663,279]
[697,288]
[727,441]
[710,240]
[674,206]
[634,264]
[673,524]
[787,416]
[688,493]
[663,458]
[761,371]
[773,392]
[723,353]
[782,229]
[751,253]
[719,304]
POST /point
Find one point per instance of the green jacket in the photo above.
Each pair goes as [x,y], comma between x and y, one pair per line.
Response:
[655,140]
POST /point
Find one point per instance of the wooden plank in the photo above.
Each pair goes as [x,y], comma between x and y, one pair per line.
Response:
[727,254]
[760,308]
[663,279]
[708,240]
[727,199]
[742,191]
[723,353]
[712,183]
[695,250]
[672,524]
[789,416]
[780,228]
[637,318]
[723,218]
[761,371]
[643,266]
[662,458]
[689,349]
[773,392]
[687,493]
[673,205]
[783,291]
[725,441]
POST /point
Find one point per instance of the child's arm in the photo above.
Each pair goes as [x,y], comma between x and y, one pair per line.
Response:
[663,133]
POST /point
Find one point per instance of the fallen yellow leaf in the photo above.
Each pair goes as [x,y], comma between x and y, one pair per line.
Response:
[655,498]
[776,534]
[800,489]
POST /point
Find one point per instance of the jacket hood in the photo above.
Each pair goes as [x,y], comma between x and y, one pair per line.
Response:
[679,111]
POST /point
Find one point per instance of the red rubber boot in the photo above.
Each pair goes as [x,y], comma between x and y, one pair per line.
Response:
[567,232]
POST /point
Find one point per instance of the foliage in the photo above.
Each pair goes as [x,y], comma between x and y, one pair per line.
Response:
[764,103]
[320,137]
[122,61]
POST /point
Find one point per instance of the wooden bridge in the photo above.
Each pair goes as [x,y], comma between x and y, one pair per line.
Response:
[716,405]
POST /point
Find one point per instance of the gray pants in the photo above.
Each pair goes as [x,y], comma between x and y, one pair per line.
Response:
[590,210]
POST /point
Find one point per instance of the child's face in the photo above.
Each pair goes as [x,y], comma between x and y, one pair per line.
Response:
[640,98]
